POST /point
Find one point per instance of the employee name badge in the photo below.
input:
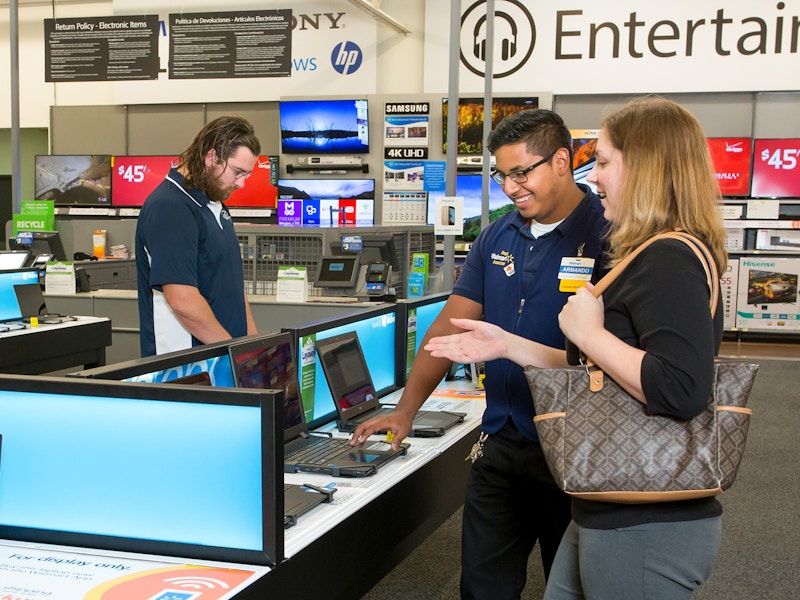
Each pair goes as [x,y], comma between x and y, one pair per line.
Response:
[575,272]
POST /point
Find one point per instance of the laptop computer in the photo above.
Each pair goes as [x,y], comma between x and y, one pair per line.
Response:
[354,393]
[32,304]
[268,362]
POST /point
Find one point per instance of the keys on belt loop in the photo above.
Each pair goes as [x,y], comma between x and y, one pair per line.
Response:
[477,448]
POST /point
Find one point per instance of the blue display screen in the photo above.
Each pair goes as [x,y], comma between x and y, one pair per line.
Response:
[9,307]
[426,315]
[218,368]
[168,471]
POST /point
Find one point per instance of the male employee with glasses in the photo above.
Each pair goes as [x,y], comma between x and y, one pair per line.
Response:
[188,261]
[518,275]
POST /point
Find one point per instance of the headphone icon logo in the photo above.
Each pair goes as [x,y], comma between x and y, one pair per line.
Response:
[508,45]
[514,37]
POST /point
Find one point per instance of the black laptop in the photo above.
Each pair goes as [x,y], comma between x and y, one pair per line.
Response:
[268,362]
[354,393]
[32,304]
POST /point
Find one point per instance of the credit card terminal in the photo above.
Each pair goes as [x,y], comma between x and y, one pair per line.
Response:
[377,278]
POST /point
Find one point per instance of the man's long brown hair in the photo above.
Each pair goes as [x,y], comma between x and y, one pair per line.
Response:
[224,135]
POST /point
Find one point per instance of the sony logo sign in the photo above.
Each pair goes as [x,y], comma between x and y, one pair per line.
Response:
[304,22]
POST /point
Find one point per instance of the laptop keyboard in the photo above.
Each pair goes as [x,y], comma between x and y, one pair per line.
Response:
[319,450]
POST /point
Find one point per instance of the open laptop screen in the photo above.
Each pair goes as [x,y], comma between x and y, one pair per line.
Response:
[160,469]
[346,373]
[268,362]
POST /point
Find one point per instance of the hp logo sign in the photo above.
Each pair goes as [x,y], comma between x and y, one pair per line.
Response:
[346,57]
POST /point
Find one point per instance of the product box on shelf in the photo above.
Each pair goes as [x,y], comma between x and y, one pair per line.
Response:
[767,298]
[728,288]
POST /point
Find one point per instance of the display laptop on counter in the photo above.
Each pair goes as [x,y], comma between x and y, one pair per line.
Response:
[354,393]
[268,363]
[32,304]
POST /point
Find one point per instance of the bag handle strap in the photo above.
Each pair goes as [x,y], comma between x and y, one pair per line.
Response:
[709,266]
[699,249]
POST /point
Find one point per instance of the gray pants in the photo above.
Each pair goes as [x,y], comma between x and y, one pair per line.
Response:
[655,561]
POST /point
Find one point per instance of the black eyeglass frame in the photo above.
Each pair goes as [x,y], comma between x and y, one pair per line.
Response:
[520,176]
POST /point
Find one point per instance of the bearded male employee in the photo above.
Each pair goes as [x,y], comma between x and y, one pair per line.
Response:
[513,277]
[188,261]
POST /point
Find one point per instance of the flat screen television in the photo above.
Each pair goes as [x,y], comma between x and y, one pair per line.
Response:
[733,161]
[326,202]
[260,189]
[324,126]
[73,180]
[377,329]
[156,469]
[133,178]
[775,168]
[470,120]
[420,313]
[470,187]
[163,368]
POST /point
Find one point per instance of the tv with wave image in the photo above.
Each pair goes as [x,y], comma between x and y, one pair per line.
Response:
[324,127]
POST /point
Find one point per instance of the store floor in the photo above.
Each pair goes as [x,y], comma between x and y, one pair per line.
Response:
[756,350]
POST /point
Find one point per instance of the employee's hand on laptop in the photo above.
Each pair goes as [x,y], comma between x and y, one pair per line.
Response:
[396,422]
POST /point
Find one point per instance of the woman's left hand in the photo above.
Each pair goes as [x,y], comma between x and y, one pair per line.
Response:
[582,316]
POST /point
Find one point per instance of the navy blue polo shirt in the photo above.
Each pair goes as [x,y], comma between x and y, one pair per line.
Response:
[525,299]
[180,239]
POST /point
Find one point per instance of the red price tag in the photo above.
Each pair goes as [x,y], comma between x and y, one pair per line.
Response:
[776,168]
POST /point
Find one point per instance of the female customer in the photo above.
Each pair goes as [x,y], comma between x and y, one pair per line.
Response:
[653,333]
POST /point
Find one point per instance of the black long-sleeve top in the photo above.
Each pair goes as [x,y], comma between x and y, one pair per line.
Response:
[660,303]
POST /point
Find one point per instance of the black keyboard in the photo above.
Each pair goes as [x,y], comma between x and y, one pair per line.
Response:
[319,450]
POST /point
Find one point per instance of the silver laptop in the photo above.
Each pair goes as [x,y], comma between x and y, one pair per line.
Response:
[354,394]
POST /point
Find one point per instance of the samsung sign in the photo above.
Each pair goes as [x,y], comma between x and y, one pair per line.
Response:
[584,46]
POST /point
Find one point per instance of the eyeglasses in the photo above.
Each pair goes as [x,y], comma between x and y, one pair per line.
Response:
[520,176]
[239,173]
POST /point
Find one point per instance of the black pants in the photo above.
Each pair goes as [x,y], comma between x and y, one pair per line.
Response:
[511,502]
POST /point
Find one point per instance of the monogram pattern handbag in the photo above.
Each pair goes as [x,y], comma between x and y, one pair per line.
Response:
[601,444]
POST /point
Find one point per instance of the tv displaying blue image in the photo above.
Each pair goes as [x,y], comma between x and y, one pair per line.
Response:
[469,185]
[377,332]
[136,468]
[9,306]
[324,126]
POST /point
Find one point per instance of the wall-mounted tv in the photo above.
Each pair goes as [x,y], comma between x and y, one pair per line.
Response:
[326,202]
[324,126]
[470,120]
[260,189]
[470,187]
[73,180]
[775,168]
[733,160]
[134,177]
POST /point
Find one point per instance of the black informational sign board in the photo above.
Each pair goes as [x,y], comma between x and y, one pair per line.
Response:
[101,48]
[230,44]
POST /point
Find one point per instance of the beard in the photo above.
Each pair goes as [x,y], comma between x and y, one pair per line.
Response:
[210,185]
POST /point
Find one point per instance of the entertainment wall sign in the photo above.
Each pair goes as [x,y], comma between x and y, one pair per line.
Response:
[230,44]
[101,48]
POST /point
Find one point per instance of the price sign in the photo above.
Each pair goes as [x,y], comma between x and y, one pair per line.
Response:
[731,158]
[134,177]
[776,168]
